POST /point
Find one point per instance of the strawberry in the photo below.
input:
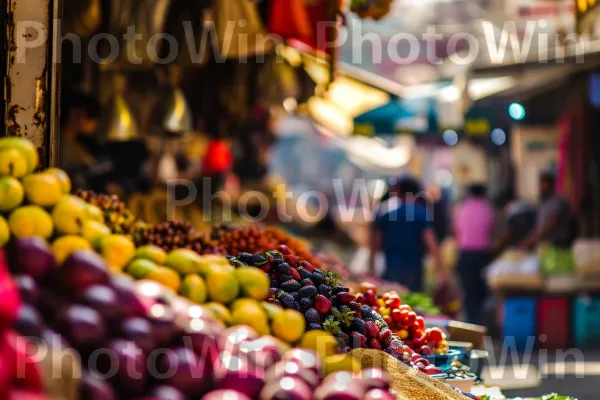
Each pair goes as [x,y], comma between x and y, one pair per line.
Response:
[345,298]
[306,265]
[372,329]
[322,304]
[385,338]
[295,274]
[283,249]
[374,344]
[292,260]
[266,268]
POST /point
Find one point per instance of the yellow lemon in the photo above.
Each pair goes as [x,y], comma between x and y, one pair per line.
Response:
[184,261]
[42,189]
[252,314]
[289,326]
[30,221]
[117,250]
[69,215]
[254,282]
[27,148]
[220,312]
[141,268]
[222,286]
[167,277]
[11,194]
[152,253]
[4,231]
[63,179]
[12,163]
[341,362]
[64,246]
[94,231]
[193,288]
[322,342]
[94,213]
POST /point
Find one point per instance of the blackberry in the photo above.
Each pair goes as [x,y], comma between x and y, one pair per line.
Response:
[359,326]
[246,258]
[312,316]
[287,300]
[340,289]
[304,273]
[296,295]
[258,259]
[297,306]
[308,291]
[285,278]
[324,290]
[333,299]
[315,327]
[318,278]
[305,304]
[283,268]
[274,284]
[367,313]
[290,286]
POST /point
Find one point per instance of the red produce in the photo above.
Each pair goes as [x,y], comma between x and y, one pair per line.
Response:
[306,358]
[167,393]
[141,332]
[375,378]
[94,388]
[31,256]
[288,388]
[83,326]
[28,288]
[184,370]
[102,299]
[225,395]
[293,369]
[230,339]
[378,394]
[236,373]
[83,269]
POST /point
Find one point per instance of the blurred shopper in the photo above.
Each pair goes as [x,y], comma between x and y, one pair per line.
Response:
[405,233]
[554,218]
[473,226]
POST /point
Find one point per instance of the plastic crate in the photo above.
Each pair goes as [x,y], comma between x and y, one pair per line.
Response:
[554,321]
[519,321]
[586,321]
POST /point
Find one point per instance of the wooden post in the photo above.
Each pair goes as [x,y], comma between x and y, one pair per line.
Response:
[32,76]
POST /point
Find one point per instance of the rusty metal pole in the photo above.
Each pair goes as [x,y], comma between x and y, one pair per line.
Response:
[32,81]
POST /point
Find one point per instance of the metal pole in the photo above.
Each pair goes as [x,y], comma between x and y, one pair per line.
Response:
[32,81]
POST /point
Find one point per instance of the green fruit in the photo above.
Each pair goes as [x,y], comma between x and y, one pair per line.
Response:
[27,148]
[11,194]
[184,261]
[4,232]
[152,253]
[193,288]
[94,231]
[222,286]
[140,269]
[220,312]
[30,221]
[272,310]
[254,282]
[62,177]
[69,215]
[12,163]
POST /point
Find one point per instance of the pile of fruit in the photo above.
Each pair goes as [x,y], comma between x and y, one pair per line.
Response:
[403,321]
[326,305]
[173,235]
[117,217]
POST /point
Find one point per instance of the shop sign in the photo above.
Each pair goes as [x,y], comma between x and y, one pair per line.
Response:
[477,126]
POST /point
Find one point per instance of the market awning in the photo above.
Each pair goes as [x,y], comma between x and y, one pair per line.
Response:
[398,116]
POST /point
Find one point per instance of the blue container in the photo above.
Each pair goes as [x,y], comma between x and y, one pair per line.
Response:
[443,361]
[519,321]
[586,321]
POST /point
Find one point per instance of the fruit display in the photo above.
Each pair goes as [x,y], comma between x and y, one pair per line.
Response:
[296,285]
[334,264]
[174,235]
[403,321]
[114,211]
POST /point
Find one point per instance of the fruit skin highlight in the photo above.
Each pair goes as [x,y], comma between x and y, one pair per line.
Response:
[11,194]
[69,215]
[289,325]
[62,177]
[26,148]
[30,221]
[42,189]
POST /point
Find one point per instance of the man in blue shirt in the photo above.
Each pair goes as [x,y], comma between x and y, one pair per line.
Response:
[405,233]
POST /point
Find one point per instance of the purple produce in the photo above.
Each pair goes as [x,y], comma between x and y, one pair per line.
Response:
[30,256]
[83,326]
[83,269]
[287,388]
[28,288]
[140,331]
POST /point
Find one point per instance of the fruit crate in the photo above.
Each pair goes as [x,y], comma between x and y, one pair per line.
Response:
[554,316]
[586,321]
[519,320]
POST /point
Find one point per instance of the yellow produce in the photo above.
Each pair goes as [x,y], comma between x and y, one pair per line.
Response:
[11,194]
[220,312]
[141,268]
[322,342]
[62,177]
[193,288]
[94,231]
[272,310]
[209,263]
[254,282]
[184,261]
[167,277]
[4,231]
[94,213]
[152,253]
[12,163]
[69,215]
[117,250]
[249,312]
[64,246]
[341,362]
[289,326]
[42,189]
[24,146]
[30,221]
[222,286]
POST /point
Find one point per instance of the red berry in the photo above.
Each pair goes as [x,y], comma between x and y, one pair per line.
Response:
[372,329]
[345,298]
[385,338]
[266,268]
[322,304]
[374,344]
[295,274]
[306,265]
[283,249]
[357,339]
[292,260]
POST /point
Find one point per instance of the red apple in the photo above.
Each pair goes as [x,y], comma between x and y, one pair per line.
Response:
[288,388]
[293,369]
[182,369]
[306,358]
[230,339]
[235,372]
[139,330]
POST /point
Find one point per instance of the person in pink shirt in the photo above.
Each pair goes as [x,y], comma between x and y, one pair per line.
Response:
[473,228]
